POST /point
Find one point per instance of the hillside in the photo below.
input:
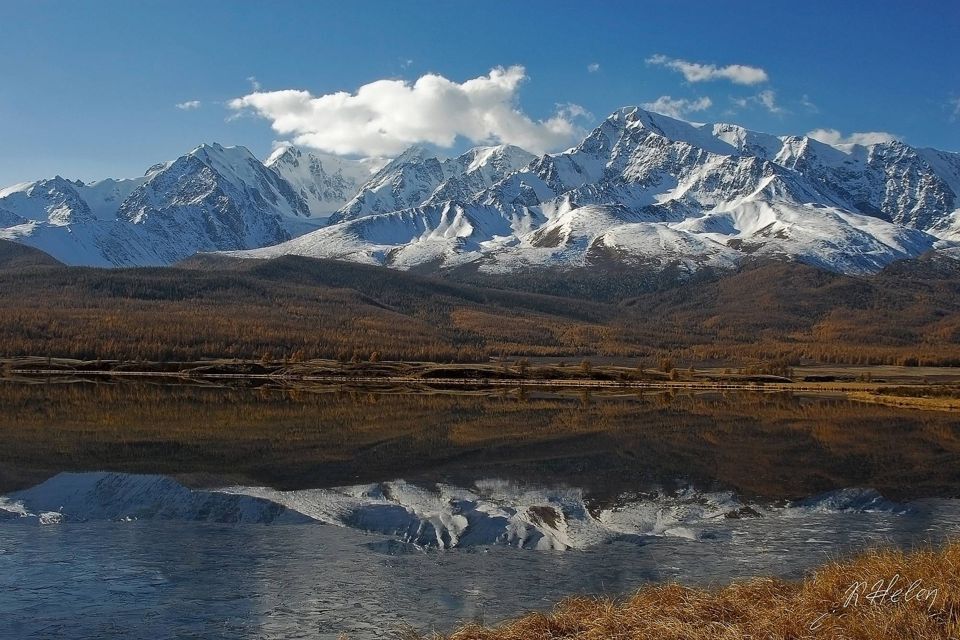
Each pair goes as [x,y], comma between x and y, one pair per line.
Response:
[299,308]
[14,256]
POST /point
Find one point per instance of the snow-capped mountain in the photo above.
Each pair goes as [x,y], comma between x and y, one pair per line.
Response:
[641,188]
[325,182]
[213,198]
[61,202]
[75,221]
[210,199]
[890,180]
[415,177]
[648,189]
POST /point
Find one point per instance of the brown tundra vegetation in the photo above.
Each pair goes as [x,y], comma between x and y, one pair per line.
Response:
[297,308]
[880,595]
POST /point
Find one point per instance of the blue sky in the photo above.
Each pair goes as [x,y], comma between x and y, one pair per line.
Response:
[89,89]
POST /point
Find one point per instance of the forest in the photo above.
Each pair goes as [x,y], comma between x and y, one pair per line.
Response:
[296,309]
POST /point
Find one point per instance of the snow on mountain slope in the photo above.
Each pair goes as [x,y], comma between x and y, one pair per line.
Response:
[647,189]
[213,198]
[325,182]
[629,161]
[402,183]
[913,187]
[826,237]
[447,233]
[56,201]
[73,221]
[415,177]
[642,188]
[99,243]
[595,233]
[478,169]
[747,142]
[60,201]
[889,180]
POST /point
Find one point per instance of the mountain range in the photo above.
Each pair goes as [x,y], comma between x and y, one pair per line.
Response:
[641,189]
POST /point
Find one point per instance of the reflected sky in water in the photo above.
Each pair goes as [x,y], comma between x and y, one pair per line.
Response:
[154,580]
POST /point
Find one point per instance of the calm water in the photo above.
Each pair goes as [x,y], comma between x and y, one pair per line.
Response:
[154,580]
[172,575]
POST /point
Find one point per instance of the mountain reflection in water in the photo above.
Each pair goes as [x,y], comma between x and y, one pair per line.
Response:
[759,445]
[699,488]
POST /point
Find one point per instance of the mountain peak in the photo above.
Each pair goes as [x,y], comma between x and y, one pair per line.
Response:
[216,152]
[156,168]
[478,157]
[633,116]
[325,182]
[283,153]
[413,154]
[633,120]
[642,186]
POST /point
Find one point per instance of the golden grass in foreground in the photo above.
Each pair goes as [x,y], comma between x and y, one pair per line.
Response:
[881,595]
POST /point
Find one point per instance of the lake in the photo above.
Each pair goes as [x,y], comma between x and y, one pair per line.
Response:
[149,510]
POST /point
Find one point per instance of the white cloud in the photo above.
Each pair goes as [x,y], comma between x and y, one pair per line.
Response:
[768,98]
[677,107]
[832,136]
[571,111]
[386,116]
[955,103]
[808,104]
[593,67]
[697,72]
[254,84]
[188,105]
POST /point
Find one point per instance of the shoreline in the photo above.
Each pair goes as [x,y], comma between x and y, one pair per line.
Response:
[879,593]
[931,389]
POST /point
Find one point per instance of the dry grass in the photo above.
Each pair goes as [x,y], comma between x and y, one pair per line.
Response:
[831,603]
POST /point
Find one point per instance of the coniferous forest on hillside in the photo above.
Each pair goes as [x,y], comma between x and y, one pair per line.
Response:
[295,309]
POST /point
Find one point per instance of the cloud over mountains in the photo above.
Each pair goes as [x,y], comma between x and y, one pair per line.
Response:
[385,117]
[698,72]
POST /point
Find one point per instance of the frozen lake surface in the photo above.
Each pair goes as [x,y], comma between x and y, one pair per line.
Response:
[189,578]
[152,511]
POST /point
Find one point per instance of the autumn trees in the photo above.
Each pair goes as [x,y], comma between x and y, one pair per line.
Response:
[769,319]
